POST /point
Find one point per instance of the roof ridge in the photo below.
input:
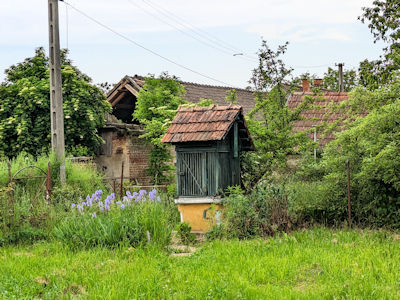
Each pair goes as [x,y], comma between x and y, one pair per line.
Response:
[140,77]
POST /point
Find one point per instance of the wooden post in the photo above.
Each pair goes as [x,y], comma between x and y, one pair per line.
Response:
[122,180]
[48,186]
[11,192]
[348,194]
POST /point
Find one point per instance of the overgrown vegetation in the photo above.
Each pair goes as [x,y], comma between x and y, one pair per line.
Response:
[136,220]
[25,108]
[371,146]
[26,211]
[271,121]
[156,106]
[313,264]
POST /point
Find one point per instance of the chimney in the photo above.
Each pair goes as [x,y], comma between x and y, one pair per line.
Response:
[318,82]
[306,85]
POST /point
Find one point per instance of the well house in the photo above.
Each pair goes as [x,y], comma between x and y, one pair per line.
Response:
[208,142]
[122,134]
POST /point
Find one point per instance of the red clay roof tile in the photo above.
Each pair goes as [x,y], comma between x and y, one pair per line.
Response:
[201,123]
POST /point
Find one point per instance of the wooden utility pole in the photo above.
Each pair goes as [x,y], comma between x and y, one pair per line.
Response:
[348,194]
[56,101]
[340,66]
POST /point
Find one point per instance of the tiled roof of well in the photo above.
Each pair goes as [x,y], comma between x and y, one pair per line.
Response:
[193,124]
[195,92]
[316,116]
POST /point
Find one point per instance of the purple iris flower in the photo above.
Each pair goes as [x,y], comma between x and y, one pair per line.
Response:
[122,206]
[94,215]
[152,194]
[73,205]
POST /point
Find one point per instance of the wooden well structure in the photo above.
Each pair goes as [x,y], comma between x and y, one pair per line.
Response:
[208,142]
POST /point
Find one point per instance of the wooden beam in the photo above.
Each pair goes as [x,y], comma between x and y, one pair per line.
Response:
[131,89]
[115,93]
[119,98]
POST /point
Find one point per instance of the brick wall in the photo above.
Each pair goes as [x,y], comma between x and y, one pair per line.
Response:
[138,151]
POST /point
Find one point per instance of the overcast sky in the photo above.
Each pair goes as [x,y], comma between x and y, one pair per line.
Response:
[200,35]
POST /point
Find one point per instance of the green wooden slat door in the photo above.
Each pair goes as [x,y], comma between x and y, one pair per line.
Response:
[190,174]
[197,173]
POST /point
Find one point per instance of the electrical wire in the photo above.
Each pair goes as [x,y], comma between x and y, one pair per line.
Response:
[211,45]
[177,28]
[143,47]
[198,31]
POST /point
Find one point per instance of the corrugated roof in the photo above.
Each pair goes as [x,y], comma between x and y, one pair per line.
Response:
[193,124]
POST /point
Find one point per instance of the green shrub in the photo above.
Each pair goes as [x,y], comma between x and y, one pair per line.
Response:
[111,223]
[217,232]
[184,231]
[262,212]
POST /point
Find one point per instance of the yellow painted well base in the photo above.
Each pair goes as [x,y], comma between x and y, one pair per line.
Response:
[194,215]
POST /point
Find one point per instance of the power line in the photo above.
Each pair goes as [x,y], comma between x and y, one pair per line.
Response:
[198,31]
[177,28]
[143,47]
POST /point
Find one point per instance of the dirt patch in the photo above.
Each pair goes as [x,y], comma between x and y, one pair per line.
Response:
[28,254]
[41,280]
[74,289]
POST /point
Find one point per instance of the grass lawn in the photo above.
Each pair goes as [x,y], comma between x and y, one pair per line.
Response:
[312,264]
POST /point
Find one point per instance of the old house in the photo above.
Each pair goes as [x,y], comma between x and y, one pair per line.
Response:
[313,117]
[121,133]
[208,142]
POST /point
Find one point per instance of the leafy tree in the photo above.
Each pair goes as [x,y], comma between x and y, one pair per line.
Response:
[231,96]
[271,121]
[156,106]
[384,22]
[371,145]
[25,107]
[330,80]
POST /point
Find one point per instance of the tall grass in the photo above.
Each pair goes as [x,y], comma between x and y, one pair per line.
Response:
[26,214]
[312,264]
[105,221]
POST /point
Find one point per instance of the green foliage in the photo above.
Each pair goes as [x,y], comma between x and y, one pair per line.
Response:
[184,231]
[331,80]
[25,107]
[371,146]
[310,264]
[383,20]
[118,223]
[271,121]
[262,212]
[217,232]
[26,214]
[231,97]
[156,106]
